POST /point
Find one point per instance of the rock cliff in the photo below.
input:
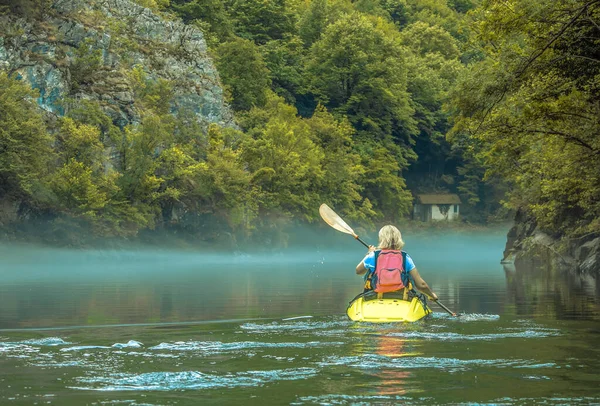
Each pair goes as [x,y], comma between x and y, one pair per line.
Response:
[527,245]
[56,55]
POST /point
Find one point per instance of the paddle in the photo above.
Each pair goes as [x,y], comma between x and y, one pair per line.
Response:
[336,222]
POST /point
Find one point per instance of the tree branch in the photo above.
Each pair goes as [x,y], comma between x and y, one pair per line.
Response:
[533,58]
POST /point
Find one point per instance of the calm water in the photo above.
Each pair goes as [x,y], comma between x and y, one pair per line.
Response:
[163,327]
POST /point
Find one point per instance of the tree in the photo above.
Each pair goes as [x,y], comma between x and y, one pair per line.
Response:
[244,73]
[284,59]
[81,142]
[342,166]
[357,69]
[25,146]
[210,15]
[529,110]
[225,186]
[285,160]
[313,21]
[261,21]
[425,39]
[37,9]
[433,66]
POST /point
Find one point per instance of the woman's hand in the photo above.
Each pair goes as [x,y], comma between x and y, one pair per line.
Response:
[372,248]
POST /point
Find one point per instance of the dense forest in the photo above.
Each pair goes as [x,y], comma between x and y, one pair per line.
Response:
[359,104]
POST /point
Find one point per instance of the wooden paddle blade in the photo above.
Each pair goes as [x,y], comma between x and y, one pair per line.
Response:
[334,220]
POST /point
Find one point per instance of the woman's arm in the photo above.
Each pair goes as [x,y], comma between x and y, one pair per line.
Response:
[360,268]
[420,284]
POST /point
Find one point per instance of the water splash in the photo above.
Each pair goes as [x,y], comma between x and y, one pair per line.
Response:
[468,317]
[48,341]
[217,346]
[277,327]
[371,361]
[339,399]
[447,336]
[83,348]
[166,381]
[129,344]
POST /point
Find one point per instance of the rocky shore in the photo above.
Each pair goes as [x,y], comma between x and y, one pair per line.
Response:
[527,245]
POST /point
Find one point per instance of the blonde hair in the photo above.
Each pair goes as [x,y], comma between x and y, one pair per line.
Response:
[390,238]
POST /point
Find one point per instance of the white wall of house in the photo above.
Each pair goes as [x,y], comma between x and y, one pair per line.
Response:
[452,213]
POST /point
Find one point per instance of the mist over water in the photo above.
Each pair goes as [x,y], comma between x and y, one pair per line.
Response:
[88,287]
[155,325]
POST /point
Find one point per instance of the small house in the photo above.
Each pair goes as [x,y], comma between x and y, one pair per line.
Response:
[430,207]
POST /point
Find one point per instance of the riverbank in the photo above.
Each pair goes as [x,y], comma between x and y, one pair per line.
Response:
[273,235]
[528,246]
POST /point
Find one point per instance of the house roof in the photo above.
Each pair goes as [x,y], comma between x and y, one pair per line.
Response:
[438,199]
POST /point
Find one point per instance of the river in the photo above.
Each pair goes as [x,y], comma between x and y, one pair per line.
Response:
[159,327]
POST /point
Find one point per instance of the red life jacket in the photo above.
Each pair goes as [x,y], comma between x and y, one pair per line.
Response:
[389,266]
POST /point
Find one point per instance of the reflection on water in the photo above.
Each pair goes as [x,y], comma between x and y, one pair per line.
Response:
[539,289]
[196,328]
[54,288]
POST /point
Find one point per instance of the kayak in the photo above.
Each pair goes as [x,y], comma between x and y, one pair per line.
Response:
[386,310]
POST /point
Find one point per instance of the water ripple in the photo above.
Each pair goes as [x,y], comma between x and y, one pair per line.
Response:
[129,344]
[466,317]
[371,361]
[339,399]
[48,341]
[27,346]
[295,326]
[217,346]
[166,381]
[83,347]
[476,337]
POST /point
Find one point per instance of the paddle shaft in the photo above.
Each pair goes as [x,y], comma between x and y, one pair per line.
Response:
[440,304]
[361,241]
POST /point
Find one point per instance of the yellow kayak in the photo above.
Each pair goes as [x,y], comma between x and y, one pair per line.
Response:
[386,310]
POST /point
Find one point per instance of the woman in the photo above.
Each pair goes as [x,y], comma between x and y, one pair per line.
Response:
[391,239]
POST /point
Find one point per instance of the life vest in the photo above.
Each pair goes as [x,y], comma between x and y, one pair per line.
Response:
[390,271]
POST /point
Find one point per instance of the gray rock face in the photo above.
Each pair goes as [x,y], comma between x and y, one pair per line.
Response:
[588,255]
[128,35]
[526,243]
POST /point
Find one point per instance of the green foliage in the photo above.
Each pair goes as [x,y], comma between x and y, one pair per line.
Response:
[370,78]
[462,6]
[285,161]
[435,13]
[89,112]
[383,185]
[76,190]
[528,111]
[81,142]
[261,21]
[25,146]
[284,60]
[209,15]
[155,5]
[244,73]
[357,69]
[424,38]
[37,9]
[397,10]
[88,60]
[342,166]
[154,95]
[225,184]
[313,21]
[433,67]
